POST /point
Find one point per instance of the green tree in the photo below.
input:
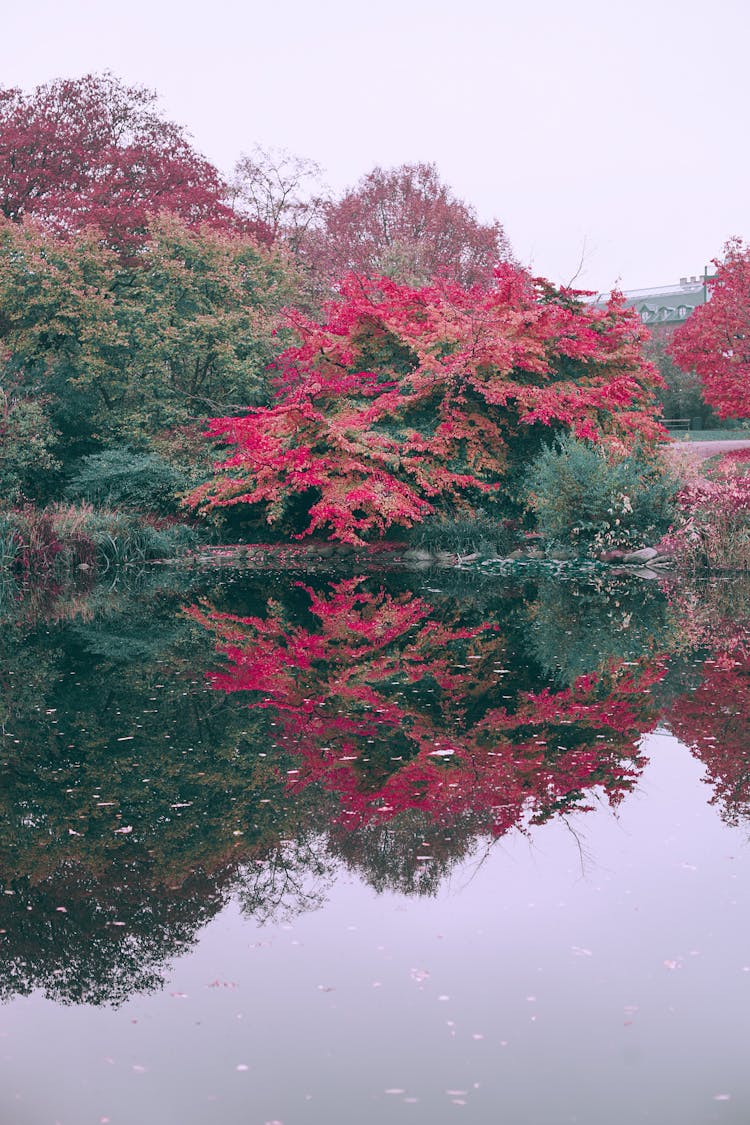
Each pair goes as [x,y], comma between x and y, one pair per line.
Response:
[115,353]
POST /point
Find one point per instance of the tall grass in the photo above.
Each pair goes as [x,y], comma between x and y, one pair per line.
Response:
[56,541]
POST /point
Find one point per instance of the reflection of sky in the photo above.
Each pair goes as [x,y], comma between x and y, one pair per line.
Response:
[597,973]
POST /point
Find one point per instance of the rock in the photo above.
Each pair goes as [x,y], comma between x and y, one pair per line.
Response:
[643,556]
[615,555]
[644,572]
[517,555]
[535,553]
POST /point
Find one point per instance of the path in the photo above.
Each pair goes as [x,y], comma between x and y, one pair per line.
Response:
[702,450]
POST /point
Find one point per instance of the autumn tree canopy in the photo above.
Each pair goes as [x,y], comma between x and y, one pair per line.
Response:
[94,152]
[407,401]
[407,224]
[110,352]
[715,341]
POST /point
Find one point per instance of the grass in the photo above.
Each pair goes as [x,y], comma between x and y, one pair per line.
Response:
[54,542]
[740,433]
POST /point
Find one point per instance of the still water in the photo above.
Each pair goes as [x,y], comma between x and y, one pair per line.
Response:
[421,848]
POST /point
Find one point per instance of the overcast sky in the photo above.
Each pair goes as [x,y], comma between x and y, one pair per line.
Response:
[613,132]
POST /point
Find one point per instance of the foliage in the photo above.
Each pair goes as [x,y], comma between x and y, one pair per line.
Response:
[28,466]
[715,341]
[465,535]
[583,495]
[124,478]
[113,354]
[406,224]
[729,465]
[53,541]
[410,401]
[682,393]
[93,152]
[715,526]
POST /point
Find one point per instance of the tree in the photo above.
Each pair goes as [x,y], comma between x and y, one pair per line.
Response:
[279,192]
[408,400]
[94,152]
[682,394]
[715,341]
[115,352]
[406,224]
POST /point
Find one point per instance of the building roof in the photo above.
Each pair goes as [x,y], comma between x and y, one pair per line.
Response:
[668,304]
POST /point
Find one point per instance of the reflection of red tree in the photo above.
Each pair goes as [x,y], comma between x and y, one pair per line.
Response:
[713,720]
[394,710]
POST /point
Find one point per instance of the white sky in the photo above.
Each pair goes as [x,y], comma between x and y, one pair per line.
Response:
[619,131]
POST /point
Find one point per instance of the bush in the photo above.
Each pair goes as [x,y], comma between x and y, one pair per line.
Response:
[583,497]
[716,527]
[124,478]
[465,534]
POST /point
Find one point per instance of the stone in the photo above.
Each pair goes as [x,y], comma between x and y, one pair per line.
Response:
[643,556]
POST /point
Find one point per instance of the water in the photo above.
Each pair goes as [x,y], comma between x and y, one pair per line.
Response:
[420,849]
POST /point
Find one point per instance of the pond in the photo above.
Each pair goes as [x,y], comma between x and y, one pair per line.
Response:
[396,846]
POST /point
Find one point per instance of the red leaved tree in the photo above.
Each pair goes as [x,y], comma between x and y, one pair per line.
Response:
[405,223]
[412,400]
[94,152]
[715,341]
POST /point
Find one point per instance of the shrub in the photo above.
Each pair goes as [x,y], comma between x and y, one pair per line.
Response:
[124,478]
[716,524]
[465,534]
[584,497]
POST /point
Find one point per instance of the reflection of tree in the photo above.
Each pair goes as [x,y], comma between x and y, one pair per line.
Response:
[399,708]
[578,626]
[342,723]
[713,718]
[85,938]
[130,795]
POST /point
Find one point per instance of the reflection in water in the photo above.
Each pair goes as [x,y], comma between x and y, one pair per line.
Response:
[165,748]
